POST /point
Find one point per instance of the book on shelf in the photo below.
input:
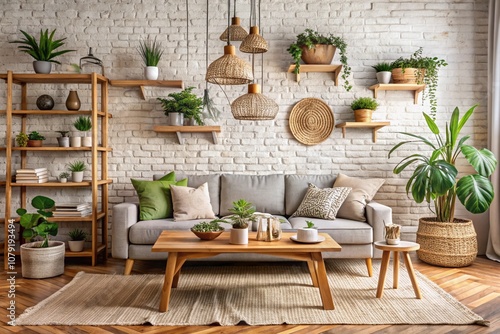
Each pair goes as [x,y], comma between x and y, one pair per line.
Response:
[31,171]
[76,206]
[36,180]
[83,213]
[30,176]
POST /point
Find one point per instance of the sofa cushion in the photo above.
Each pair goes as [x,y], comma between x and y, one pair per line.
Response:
[343,231]
[265,192]
[191,203]
[362,192]
[296,188]
[322,203]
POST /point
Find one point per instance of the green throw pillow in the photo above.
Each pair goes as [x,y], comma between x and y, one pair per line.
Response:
[155,200]
[169,177]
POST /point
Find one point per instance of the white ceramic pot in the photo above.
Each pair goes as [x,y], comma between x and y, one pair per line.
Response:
[384,77]
[63,180]
[75,141]
[76,245]
[306,234]
[151,72]
[77,176]
[42,67]
[44,262]
[392,241]
[238,236]
[87,141]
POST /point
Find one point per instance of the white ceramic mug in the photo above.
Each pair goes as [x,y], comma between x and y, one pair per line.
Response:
[307,234]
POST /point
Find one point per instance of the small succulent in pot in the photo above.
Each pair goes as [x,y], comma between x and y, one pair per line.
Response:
[35,139]
[77,235]
[63,133]
[77,166]
[208,230]
[83,124]
[63,177]
[22,139]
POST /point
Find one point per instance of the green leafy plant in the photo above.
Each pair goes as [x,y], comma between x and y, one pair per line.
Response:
[34,135]
[83,123]
[150,51]
[36,224]
[364,103]
[427,73]
[77,235]
[44,49]
[310,224]
[77,166]
[435,176]
[63,133]
[310,38]
[22,139]
[184,102]
[242,213]
[212,226]
[64,175]
[383,67]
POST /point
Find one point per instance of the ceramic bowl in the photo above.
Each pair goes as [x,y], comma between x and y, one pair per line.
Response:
[207,235]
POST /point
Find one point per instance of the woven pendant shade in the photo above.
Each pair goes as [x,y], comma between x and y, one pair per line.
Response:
[254,43]
[229,69]
[254,106]
[238,33]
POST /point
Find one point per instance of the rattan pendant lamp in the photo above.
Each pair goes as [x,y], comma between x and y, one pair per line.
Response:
[229,69]
[235,31]
[254,43]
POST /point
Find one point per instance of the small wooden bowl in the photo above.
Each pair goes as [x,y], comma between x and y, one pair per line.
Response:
[207,235]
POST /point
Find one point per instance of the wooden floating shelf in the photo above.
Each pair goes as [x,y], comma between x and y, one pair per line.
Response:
[147,83]
[375,126]
[304,68]
[188,129]
[59,184]
[54,78]
[410,87]
[53,112]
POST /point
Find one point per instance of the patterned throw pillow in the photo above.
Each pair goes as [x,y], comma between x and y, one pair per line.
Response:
[322,203]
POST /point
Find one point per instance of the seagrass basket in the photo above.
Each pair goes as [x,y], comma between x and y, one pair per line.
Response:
[447,244]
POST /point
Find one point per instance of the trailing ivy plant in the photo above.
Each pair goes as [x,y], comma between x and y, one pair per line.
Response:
[310,38]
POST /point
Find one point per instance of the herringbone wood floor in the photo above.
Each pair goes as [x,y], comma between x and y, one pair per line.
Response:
[476,286]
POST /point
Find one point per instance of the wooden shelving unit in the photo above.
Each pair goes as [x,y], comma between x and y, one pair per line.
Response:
[188,129]
[374,126]
[147,83]
[304,68]
[98,183]
[416,88]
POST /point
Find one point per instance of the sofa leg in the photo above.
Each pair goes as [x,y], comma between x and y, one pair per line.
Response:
[128,266]
[369,266]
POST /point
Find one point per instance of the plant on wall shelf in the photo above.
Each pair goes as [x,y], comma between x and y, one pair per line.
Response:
[22,139]
[184,102]
[34,135]
[310,39]
[382,67]
[150,51]
[364,103]
[83,124]
[44,49]
[77,166]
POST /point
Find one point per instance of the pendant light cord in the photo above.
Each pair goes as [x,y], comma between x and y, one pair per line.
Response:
[234,10]
[206,47]
[187,34]
[261,57]
[228,21]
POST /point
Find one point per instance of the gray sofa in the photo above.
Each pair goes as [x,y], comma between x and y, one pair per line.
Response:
[279,195]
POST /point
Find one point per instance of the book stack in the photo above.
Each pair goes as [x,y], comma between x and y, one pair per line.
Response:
[72,210]
[35,175]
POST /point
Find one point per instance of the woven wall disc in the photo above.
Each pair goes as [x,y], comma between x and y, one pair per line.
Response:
[311,121]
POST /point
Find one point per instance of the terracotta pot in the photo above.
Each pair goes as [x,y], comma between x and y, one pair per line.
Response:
[409,75]
[35,143]
[363,115]
[320,54]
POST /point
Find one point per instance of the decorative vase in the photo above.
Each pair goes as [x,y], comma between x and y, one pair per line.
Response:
[35,143]
[392,234]
[76,245]
[176,118]
[42,67]
[320,54]
[269,228]
[238,236]
[384,77]
[45,102]
[38,262]
[87,141]
[75,141]
[363,115]
[77,176]
[447,244]
[151,72]
[307,234]
[63,141]
[73,101]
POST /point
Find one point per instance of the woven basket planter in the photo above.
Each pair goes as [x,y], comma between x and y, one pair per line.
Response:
[44,262]
[363,115]
[447,244]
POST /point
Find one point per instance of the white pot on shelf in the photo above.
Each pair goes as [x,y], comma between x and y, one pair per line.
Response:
[76,245]
[151,72]
[77,176]
[238,236]
[384,77]
[87,141]
[75,141]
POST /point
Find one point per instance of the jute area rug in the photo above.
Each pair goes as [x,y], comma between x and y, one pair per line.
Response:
[257,295]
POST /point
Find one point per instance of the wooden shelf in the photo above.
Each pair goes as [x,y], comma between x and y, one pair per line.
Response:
[53,78]
[416,88]
[188,129]
[85,253]
[57,148]
[54,112]
[304,68]
[59,184]
[147,83]
[375,126]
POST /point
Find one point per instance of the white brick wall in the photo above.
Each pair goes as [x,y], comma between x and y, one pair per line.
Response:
[377,30]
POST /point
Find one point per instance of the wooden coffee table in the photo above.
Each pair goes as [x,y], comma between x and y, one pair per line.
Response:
[184,245]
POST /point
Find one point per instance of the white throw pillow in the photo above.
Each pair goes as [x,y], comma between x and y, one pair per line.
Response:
[191,203]
[322,203]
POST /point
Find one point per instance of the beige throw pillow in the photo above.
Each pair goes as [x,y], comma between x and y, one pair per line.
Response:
[362,192]
[321,203]
[191,203]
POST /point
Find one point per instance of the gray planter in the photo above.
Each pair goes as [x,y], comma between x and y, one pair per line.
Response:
[40,262]
[175,118]
[42,67]
[63,141]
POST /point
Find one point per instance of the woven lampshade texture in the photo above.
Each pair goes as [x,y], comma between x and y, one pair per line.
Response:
[311,121]
[254,43]
[254,106]
[236,32]
[229,69]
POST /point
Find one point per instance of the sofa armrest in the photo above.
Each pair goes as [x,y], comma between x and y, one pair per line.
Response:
[378,215]
[124,216]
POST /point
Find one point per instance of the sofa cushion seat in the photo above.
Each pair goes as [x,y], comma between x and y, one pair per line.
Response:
[344,231]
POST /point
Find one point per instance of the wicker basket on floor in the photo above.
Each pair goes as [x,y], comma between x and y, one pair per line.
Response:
[447,244]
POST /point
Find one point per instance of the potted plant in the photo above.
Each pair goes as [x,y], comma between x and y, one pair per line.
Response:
[242,214]
[363,108]
[181,103]
[35,139]
[63,177]
[308,233]
[63,140]
[315,48]
[84,124]
[445,240]
[77,168]
[151,52]
[77,241]
[383,70]
[22,139]
[40,259]
[43,51]
[208,230]
[420,70]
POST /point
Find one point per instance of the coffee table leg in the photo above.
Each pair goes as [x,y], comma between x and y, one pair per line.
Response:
[395,271]
[314,273]
[167,283]
[324,288]
[383,270]
[411,272]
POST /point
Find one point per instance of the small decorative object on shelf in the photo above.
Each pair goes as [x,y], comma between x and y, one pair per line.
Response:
[77,168]
[22,139]
[184,103]
[208,231]
[392,234]
[45,102]
[269,228]
[151,52]
[35,139]
[63,140]
[77,241]
[363,108]
[73,101]
[383,72]
[88,62]
[63,177]
[308,233]
[84,124]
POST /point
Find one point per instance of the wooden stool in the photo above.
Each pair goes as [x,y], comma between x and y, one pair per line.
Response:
[403,247]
